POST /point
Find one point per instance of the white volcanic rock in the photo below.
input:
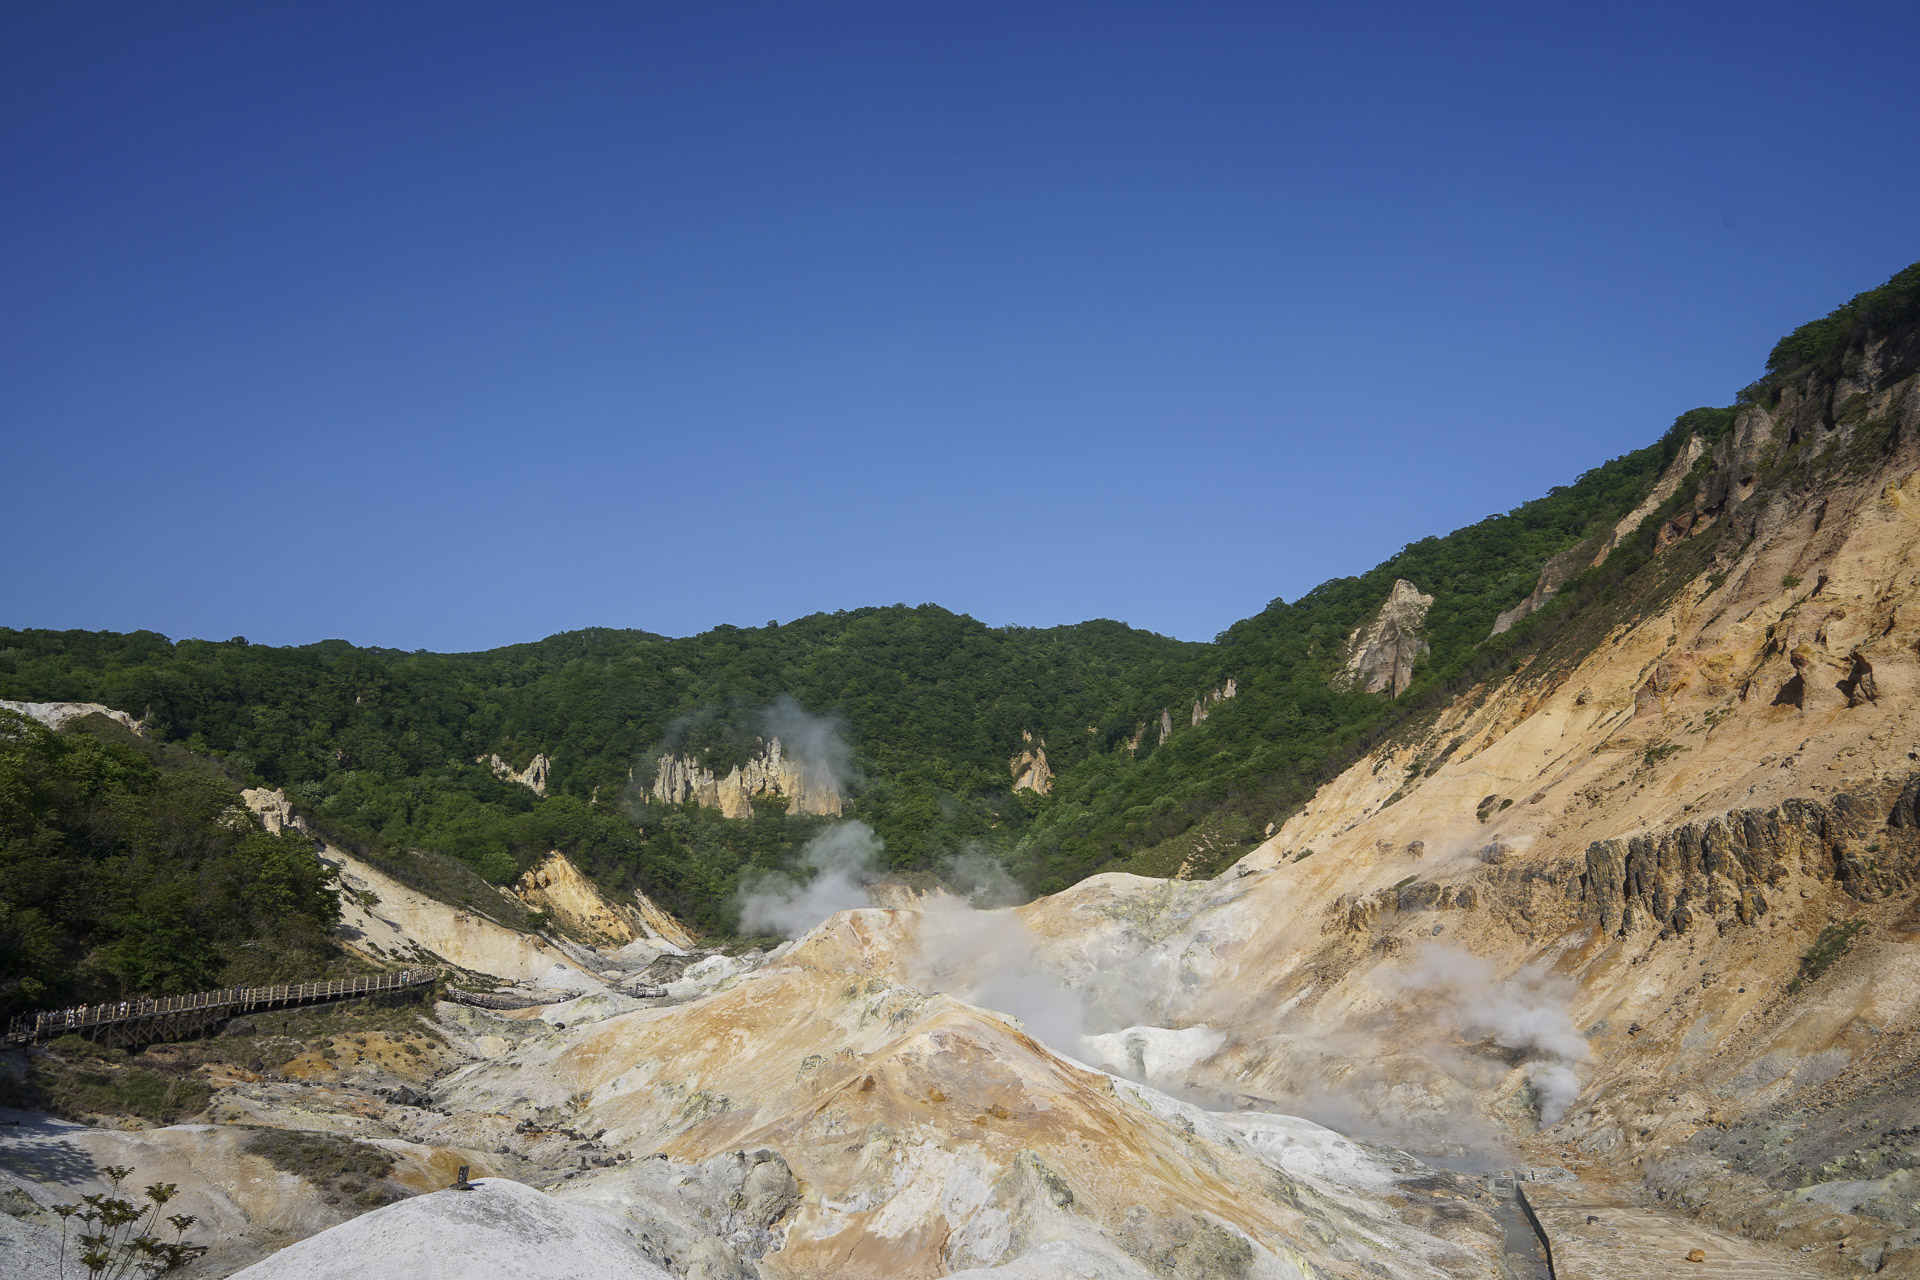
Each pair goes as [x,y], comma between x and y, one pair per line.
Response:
[500,1228]
[1157,1055]
[533,777]
[55,714]
[709,1221]
[705,976]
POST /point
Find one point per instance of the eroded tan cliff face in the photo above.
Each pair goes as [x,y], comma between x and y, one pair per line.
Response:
[807,788]
[555,886]
[1381,651]
[1029,765]
[390,922]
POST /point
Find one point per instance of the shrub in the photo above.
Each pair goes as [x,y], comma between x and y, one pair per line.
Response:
[1833,942]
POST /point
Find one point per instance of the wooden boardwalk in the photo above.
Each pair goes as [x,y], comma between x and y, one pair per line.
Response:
[144,1021]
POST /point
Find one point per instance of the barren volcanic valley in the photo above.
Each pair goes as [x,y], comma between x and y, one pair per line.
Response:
[1540,902]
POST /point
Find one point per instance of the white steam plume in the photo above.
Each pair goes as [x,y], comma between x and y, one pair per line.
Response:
[816,744]
[975,875]
[988,958]
[1526,1013]
[841,860]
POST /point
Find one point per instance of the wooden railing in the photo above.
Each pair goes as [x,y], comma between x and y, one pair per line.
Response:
[485,1000]
[205,1006]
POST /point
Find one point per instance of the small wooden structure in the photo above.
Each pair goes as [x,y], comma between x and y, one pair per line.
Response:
[129,1022]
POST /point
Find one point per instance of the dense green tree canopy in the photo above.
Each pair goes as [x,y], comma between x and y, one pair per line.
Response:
[132,867]
[381,745]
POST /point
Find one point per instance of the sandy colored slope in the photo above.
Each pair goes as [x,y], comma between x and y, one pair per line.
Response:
[1647,840]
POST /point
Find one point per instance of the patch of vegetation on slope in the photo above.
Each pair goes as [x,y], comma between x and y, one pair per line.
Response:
[1822,347]
[78,1080]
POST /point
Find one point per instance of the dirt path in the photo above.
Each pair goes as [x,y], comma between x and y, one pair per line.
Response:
[1596,1237]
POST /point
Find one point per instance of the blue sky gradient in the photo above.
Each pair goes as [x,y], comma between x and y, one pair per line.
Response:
[449,326]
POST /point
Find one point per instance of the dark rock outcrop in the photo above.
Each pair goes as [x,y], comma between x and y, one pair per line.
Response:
[1720,871]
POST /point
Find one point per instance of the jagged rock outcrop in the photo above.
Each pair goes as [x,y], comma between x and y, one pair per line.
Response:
[1552,577]
[1720,871]
[1203,706]
[554,885]
[1029,766]
[274,810]
[808,789]
[533,777]
[55,714]
[1166,726]
[1381,651]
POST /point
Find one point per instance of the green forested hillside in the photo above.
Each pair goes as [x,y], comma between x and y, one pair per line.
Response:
[130,866]
[379,745]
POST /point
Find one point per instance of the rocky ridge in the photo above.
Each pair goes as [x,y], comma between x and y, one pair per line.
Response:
[55,714]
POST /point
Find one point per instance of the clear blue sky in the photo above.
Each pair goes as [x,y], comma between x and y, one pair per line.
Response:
[447,326]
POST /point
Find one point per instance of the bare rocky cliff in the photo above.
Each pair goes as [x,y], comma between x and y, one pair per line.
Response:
[1382,650]
[556,887]
[1594,552]
[55,714]
[772,773]
[1029,766]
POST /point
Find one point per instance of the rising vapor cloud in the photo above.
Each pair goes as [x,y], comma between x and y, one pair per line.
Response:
[836,867]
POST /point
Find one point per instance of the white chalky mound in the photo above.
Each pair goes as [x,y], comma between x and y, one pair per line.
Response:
[500,1228]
